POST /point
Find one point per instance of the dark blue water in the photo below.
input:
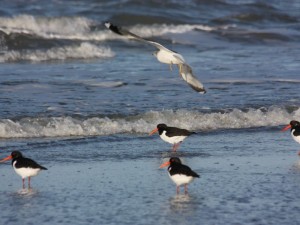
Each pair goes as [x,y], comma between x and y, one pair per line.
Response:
[81,100]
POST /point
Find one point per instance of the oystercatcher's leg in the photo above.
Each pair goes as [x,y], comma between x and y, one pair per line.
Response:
[175,146]
[28,182]
[23,182]
[177,189]
[185,189]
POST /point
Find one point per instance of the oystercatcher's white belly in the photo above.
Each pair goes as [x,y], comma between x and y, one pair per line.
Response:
[296,138]
[180,179]
[172,140]
[26,172]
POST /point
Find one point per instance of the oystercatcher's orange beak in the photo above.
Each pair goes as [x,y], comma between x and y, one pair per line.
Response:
[154,131]
[165,164]
[286,128]
[7,158]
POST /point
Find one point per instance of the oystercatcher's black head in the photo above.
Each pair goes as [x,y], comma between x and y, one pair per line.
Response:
[16,154]
[293,125]
[172,160]
[13,155]
[175,160]
[160,128]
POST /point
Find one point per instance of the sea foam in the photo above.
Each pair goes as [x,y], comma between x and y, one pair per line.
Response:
[84,50]
[143,123]
[81,28]
[83,35]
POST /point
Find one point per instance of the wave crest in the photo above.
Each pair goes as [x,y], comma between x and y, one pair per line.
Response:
[44,26]
[83,51]
[143,123]
[81,28]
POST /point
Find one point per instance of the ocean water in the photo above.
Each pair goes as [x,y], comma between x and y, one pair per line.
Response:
[81,100]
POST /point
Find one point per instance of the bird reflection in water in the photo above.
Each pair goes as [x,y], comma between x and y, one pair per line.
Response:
[183,203]
[27,192]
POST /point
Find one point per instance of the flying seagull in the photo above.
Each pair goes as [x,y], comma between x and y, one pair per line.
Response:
[165,55]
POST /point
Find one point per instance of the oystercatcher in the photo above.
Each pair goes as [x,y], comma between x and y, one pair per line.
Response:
[172,135]
[180,174]
[295,130]
[23,166]
[165,55]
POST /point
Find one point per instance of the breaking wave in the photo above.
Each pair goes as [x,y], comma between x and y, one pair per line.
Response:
[38,38]
[82,51]
[84,29]
[143,123]
[60,27]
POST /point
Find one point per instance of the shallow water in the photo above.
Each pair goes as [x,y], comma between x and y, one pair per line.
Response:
[81,101]
[247,177]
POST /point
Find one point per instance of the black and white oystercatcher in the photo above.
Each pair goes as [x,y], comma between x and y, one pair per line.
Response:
[180,174]
[23,166]
[172,135]
[165,55]
[295,130]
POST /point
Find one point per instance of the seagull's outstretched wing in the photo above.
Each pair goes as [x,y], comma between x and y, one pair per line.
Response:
[187,74]
[124,32]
